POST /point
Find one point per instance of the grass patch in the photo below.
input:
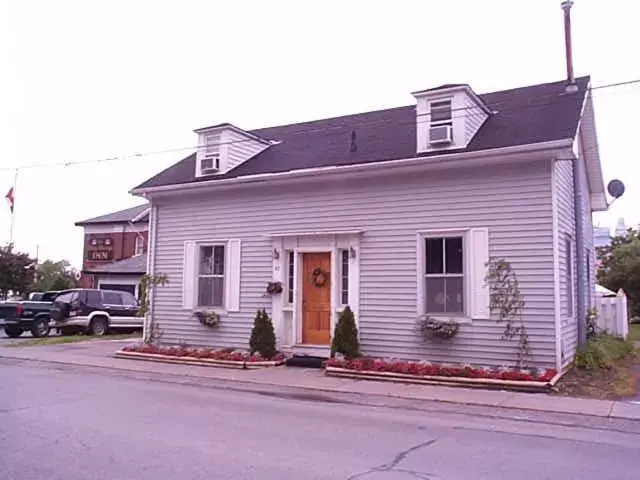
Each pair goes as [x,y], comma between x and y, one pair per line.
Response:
[602,351]
[59,340]
[606,368]
[634,332]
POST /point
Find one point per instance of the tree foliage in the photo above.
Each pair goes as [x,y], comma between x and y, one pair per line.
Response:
[619,267]
[52,275]
[263,337]
[17,272]
[345,336]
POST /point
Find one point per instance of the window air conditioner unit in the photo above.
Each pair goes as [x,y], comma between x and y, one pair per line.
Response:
[440,135]
[210,164]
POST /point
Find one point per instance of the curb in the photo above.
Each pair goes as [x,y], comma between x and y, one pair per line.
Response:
[248,382]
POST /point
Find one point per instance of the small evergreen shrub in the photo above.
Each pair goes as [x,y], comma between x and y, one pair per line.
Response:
[345,336]
[263,337]
[602,351]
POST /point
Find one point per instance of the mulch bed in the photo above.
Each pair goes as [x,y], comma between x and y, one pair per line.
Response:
[621,382]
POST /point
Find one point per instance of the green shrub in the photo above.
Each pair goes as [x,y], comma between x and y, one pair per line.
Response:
[263,338]
[345,336]
[602,351]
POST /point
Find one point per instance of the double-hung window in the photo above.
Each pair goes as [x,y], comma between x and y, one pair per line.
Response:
[139,245]
[211,273]
[209,154]
[444,277]
[441,113]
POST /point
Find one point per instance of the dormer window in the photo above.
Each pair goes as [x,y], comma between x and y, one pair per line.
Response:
[210,160]
[436,127]
[223,147]
[441,113]
[441,124]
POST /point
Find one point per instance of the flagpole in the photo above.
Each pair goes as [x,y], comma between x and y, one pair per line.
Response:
[15,181]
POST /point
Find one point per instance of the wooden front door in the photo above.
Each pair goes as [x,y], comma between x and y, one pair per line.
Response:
[316,298]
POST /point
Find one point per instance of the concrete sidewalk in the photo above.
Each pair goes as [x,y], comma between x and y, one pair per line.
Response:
[100,354]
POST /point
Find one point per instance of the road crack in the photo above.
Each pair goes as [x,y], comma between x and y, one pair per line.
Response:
[397,459]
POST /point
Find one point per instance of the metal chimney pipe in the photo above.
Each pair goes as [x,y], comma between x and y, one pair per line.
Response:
[571,81]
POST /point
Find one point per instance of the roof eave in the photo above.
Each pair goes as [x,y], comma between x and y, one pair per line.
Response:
[238,130]
[412,161]
[446,91]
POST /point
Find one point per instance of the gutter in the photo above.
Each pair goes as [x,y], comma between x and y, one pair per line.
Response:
[373,166]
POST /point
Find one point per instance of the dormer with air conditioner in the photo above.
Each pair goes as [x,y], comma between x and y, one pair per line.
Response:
[448,117]
[223,147]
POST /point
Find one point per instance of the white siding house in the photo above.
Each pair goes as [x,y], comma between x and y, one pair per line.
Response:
[399,226]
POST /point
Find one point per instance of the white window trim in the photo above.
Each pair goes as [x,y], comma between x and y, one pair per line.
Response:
[219,150]
[341,251]
[465,316]
[475,256]
[199,247]
[138,248]
[233,274]
[435,123]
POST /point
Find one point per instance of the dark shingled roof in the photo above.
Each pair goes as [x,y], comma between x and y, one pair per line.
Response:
[526,115]
[131,265]
[121,216]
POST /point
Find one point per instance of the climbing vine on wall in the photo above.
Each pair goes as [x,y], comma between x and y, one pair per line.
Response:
[507,303]
[147,283]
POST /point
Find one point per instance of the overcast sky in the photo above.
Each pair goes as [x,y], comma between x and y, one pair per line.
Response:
[82,80]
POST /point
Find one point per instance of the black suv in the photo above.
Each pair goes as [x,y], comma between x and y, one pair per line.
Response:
[95,311]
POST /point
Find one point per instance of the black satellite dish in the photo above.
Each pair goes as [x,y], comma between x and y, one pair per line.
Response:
[615,188]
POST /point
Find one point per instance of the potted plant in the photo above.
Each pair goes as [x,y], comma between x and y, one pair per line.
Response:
[274,287]
[207,318]
[433,327]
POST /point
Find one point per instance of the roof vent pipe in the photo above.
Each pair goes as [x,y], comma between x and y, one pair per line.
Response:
[571,81]
[354,146]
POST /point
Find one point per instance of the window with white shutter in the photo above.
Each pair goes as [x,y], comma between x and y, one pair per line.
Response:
[451,273]
[211,275]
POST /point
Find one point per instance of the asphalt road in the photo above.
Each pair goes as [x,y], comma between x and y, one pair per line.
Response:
[75,423]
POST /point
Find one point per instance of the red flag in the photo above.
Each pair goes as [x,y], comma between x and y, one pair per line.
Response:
[10,199]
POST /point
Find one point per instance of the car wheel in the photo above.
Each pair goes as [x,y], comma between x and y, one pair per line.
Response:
[40,327]
[98,326]
[13,332]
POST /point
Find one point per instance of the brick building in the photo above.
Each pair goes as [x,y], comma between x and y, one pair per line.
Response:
[115,249]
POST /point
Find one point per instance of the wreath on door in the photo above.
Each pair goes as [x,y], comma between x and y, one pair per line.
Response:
[319,277]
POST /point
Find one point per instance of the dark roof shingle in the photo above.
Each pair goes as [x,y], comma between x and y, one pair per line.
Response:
[131,265]
[521,116]
[121,216]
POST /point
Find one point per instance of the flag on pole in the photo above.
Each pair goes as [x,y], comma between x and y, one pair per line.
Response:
[10,199]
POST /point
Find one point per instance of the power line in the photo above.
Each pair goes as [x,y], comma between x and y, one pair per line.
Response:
[493,106]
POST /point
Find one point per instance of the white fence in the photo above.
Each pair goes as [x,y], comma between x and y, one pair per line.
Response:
[613,314]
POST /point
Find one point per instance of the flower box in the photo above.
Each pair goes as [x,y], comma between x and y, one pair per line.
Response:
[432,374]
[203,357]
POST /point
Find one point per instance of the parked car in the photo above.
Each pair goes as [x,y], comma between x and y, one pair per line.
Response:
[44,296]
[18,316]
[95,311]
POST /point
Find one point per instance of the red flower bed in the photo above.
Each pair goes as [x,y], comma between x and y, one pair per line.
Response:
[426,369]
[224,354]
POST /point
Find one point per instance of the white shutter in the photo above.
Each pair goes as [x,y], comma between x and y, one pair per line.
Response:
[478,242]
[189,279]
[232,275]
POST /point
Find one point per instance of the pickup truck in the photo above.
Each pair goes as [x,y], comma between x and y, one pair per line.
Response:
[16,317]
